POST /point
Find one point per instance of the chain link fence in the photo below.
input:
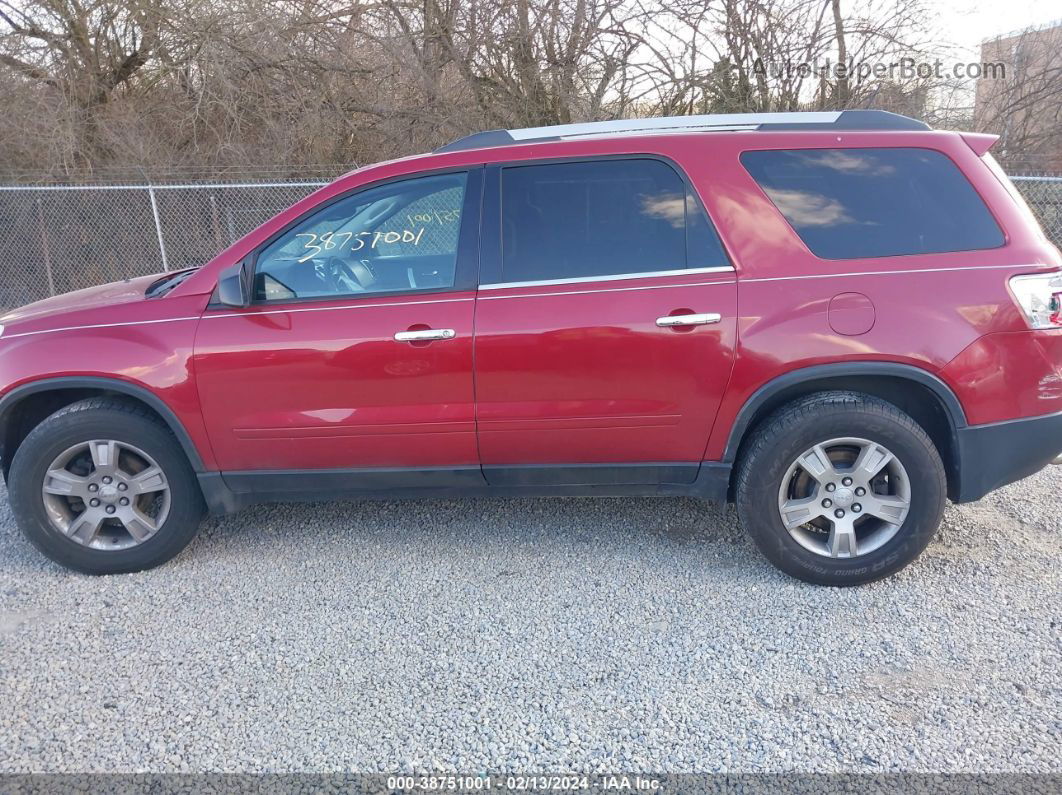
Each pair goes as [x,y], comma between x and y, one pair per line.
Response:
[1043,194]
[54,239]
[61,238]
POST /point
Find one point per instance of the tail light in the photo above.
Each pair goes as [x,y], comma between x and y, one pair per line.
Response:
[1040,297]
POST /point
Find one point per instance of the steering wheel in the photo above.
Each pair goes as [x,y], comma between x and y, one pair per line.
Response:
[347,276]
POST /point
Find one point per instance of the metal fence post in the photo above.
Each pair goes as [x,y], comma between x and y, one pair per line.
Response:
[215,220]
[158,227]
[73,235]
[231,225]
[45,249]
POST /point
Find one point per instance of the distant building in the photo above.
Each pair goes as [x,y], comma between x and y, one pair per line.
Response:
[1024,107]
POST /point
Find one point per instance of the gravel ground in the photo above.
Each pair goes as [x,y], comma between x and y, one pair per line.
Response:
[536,635]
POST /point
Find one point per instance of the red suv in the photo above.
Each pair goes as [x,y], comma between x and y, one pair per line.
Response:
[837,320]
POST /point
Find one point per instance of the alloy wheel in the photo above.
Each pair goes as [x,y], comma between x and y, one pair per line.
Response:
[844,498]
[106,494]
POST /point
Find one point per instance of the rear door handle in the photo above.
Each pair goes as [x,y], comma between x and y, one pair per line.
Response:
[426,334]
[688,320]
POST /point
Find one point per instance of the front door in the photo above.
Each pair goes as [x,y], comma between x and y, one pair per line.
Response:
[356,354]
[605,325]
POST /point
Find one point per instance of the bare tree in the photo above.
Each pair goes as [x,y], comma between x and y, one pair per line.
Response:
[223,84]
[1022,100]
[83,51]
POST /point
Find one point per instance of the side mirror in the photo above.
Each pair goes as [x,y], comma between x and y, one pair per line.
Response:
[234,287]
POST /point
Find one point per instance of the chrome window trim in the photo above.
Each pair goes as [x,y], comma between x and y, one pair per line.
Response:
[604,290]
[344,308]
[849,274]
[608,278]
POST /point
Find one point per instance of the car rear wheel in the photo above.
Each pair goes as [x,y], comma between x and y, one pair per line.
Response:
[102,486]
[841,488]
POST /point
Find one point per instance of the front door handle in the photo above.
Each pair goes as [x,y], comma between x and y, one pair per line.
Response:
[688,320]
[426,334]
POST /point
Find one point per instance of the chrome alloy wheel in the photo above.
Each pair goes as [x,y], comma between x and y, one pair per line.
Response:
[105,494]
[844,498]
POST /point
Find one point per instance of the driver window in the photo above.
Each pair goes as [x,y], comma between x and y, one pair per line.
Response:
[400,236]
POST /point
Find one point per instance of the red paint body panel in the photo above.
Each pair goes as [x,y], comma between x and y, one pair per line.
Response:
[152,349]
[128,294]
[1008,375]
[559,374]
[582,373]
[326,386]
[784,325]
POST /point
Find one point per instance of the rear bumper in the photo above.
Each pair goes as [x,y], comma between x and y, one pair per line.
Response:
[994,455]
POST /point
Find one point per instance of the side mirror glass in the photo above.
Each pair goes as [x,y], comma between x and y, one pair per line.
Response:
[233,287]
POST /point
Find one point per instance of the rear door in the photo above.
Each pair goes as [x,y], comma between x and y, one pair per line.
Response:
[605,324]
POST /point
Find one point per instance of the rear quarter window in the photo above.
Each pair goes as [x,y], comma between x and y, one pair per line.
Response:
[856,203]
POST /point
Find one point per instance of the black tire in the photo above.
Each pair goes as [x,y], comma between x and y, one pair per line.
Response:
[126,422]
[795,428]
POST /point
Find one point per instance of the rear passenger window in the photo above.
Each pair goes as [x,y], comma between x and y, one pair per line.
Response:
[851,203]
[601,218]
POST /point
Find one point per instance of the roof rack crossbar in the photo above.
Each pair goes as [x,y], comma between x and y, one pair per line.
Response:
[811,120]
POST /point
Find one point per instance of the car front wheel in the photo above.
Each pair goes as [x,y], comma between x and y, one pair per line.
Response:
[102,487]
[841,488]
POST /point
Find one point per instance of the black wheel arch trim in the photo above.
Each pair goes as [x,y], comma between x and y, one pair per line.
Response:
[9,400]
[741,425]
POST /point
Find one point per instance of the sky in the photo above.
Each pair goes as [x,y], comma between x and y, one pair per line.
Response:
[968,22]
